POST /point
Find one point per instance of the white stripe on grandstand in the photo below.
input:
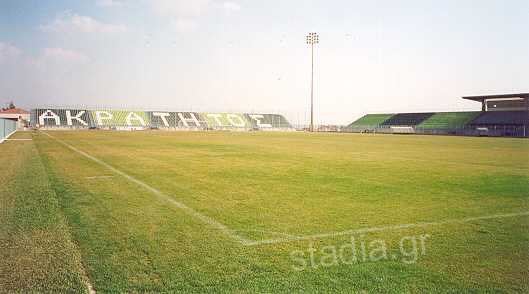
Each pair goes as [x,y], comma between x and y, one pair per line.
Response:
[205,219]
[384,228]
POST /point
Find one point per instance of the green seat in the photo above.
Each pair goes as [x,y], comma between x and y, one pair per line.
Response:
[449,120]
[371,120]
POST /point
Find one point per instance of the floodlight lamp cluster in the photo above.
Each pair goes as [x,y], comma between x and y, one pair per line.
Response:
[313,38]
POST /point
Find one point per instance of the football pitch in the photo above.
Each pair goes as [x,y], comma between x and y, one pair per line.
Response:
[159,211]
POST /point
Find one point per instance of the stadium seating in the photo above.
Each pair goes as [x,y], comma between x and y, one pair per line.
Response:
[371,120]
[448,120]
[106,118]
[471,123]
[407,119]
[502,118]
[120,117]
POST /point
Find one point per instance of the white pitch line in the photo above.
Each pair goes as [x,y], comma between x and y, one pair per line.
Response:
[205,219]
[18,139]
[98,177]
[247,242]
[269,232]
[383,228]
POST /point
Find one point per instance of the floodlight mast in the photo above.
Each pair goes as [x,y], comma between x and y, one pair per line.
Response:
[312,38]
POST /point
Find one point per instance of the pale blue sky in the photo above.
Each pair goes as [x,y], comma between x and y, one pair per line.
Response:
[251,56]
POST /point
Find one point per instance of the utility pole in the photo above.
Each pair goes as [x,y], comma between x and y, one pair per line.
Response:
[312,38]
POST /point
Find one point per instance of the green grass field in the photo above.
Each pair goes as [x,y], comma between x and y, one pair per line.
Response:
[264,212]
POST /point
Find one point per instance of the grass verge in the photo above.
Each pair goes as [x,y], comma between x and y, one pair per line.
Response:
[36,251]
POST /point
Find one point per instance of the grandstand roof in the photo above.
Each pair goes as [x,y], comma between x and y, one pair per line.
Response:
[485,97]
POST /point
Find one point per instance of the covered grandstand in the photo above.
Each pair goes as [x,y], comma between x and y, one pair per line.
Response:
[502,102]
[501,115]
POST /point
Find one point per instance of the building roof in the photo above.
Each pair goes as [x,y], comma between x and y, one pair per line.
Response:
[485,97]
[14,111]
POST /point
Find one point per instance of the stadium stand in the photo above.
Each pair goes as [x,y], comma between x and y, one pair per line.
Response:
[371,120]
[122,119]
[500,115]
[502,123]
[407,119]
[502,118]
[448,120]
[472,123]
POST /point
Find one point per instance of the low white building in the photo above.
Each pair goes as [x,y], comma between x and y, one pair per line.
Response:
[20,115]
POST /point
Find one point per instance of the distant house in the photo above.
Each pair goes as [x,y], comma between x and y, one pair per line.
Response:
[20,115]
